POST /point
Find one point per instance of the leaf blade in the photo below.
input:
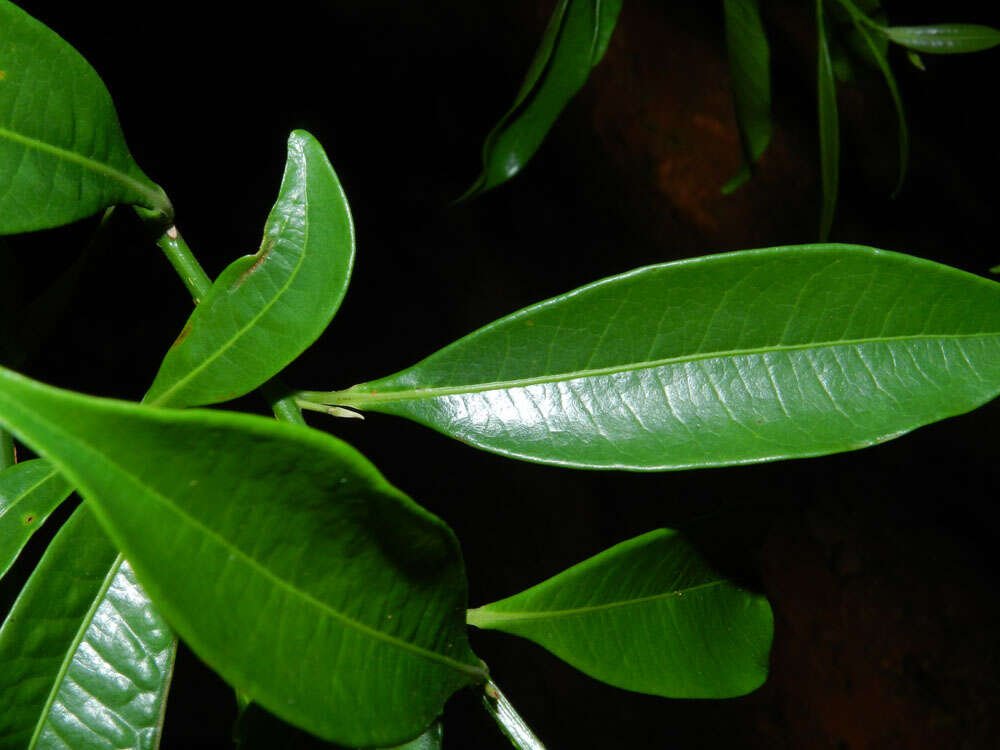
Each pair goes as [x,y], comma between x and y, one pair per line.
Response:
[294,284]
[85,663]
[750,67]
[295,531]
[62,152]
[29,492]
[944,39]
[574,41]
[647,615]
[728,359]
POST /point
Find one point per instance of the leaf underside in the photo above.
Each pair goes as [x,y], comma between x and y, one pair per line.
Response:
[278,553]
[647,615]
[728,359]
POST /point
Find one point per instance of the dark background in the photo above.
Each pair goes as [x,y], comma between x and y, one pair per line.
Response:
[881,565]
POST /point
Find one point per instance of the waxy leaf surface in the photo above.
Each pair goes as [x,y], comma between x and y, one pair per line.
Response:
[574,42]
[86,660]
[29,492]
[944,39]
[728,359]
[280,555]
[750,69]
[647,615]
[62,152]
[265,309]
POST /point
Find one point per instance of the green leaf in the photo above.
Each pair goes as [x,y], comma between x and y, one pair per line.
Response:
[62,152]
[647,615]
[878,53]
[29,492]
[86,660]
[728,359]
[915,60]
[265,309]
[829,126]
[279,554]
[944,39]
[574,42]
[750,67]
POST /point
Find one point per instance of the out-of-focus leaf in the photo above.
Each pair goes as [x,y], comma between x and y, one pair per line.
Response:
[750,68]
[280,555]
[876,47]
[574,42]
[29,492]
[62,152]
[86,660]
[915,60]
[728,359]
[648,615]
[944,39]
[829,127]
[265,309]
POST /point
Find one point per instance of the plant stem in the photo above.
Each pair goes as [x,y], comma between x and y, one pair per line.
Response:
[509,721]
[8,453]
[170,241]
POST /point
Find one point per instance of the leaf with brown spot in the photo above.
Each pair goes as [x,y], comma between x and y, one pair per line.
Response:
[294,284]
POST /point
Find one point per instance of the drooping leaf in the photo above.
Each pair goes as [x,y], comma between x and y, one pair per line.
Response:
[278,553]
[648,615]
[265,309]
[877,48]
[944,39]
[829,127]
[750,68]
[574,42]
[62,152]
[728,359]
[29,492]
[86,662]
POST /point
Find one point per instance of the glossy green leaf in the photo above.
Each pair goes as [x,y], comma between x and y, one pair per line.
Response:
[62,152]
[574,42]
[944,39]
[265,309]
[648,615]
[829,127]
[728,359]
[29,492]
[750,68]
[86,662]
[278,553]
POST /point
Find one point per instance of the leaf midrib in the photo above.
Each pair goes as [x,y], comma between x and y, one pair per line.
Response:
[93,165]
[358,398]
[487,617]
[161,499]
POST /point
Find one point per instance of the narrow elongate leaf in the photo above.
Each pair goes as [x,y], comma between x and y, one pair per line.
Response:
[750,68]
[265,309]
[829,127]
[944,39]
[62,152]
[728,359]
[647,615]
[278,553]
[86,660]
[574,42]
[29,492]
